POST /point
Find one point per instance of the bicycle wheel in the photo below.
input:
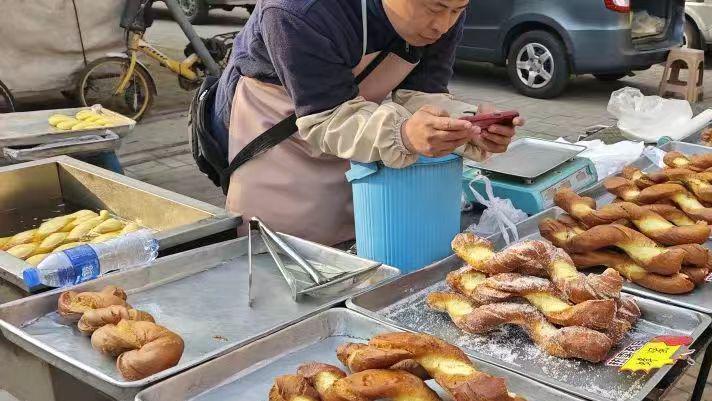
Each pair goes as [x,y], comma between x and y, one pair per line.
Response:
[7,101]
[100,80]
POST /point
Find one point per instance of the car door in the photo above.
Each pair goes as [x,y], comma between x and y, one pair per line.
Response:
[482,29]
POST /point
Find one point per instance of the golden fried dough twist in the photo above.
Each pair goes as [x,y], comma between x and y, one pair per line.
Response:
[540,292]
[538,258]
[143,348]
[648,222]
[445,363]
[368,385]
[72,305]
[676,284]
[292,388]
[567,342]
[698,162]
[93,319]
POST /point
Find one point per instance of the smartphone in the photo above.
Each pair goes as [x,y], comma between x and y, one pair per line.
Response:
[485,120]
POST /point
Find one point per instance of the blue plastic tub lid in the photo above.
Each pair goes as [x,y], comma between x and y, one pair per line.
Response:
[362,170]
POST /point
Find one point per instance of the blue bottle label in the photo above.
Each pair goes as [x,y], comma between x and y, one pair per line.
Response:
[85,262]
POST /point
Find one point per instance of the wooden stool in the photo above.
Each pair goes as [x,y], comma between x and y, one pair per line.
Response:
[679,59]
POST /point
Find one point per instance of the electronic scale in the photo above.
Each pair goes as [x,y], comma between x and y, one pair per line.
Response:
[530,173]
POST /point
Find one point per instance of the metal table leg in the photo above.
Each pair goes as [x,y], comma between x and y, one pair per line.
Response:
[702,377]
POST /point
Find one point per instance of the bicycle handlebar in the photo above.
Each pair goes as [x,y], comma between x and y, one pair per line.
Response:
[198,45]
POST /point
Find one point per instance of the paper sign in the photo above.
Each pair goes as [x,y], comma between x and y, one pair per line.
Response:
[656,353]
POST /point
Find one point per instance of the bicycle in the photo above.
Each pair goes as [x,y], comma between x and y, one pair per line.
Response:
[7,101]
[124,85]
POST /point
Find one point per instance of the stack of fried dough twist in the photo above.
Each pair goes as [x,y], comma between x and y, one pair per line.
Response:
[685,184]
[642,243]
[393,366]
[142,347]
[536,286]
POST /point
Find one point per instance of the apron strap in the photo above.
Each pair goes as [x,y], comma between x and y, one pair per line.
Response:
[287,127]
[364,20]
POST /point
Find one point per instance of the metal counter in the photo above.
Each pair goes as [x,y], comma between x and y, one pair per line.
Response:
[34,191]
[402,302]
[199,294]
[248,373]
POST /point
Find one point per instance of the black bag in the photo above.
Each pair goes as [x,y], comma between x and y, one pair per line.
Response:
[137,15]
[211,157]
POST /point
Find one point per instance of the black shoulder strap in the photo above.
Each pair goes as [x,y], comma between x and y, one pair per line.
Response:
[283,129]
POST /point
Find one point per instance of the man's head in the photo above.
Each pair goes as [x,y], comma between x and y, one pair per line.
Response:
[423,22]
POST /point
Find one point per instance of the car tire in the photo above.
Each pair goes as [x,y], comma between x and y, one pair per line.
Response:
[250,8]
[610,77]
[549,56]
[195,10]
[692,36]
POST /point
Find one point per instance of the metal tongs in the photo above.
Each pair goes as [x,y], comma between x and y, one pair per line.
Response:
[321,284]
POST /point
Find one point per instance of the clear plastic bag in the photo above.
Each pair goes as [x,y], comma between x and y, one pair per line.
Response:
[649,118]
[500,215]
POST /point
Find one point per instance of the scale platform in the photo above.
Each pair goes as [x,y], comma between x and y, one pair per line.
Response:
[531,172]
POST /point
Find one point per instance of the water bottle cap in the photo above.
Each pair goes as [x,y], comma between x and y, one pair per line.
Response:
[31,277]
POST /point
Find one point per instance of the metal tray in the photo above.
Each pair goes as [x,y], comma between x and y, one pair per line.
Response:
[85,144]
[33,191]
[199,294]
[247,374]
[32,128]
[603,197]
[529,158]
[700,299]
[402,302]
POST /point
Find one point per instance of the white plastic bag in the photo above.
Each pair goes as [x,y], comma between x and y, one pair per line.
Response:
[649,118]
[645,24]
[609,159]
[500,215]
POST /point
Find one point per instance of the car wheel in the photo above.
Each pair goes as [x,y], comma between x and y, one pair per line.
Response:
[610,77]
[250,8]
[195,10]
[691,38]
[537,65]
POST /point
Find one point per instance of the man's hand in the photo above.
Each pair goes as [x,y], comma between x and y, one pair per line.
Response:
[431,132]
[496,138]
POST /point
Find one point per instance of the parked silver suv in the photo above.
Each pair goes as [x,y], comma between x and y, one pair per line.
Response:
[698,27]
[542,43]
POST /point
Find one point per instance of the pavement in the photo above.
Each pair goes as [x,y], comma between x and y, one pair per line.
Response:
[157,151]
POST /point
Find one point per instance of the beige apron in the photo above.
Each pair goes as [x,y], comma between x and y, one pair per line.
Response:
[294,188]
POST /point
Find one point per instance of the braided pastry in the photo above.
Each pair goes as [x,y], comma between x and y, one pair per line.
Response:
[643,250]
[676,284]
[541,293]
[538,258]
[671,214]
[649,223]
[698,183]
[292,388]
[627,314]
[143,348]
[95,318]
[699,162]
[373,384]
[567,342]
[72,305]
[445,363]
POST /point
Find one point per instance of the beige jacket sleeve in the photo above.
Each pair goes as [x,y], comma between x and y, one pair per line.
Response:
[360,130]
[414,100]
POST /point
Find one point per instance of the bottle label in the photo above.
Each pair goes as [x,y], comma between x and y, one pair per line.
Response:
[85,262]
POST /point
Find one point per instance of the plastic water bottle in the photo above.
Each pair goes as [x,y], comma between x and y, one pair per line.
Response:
[89,261]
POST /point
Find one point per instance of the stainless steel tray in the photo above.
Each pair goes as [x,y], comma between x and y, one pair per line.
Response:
[248,373]
[85,144]
[33,191]
[700,299]
[402,302]
[32,128]
[529,158]
[602,197]
[199,294]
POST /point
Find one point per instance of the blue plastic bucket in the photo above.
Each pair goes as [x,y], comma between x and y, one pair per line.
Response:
[407,218]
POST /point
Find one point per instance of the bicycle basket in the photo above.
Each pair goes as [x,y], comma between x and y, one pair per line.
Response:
[137,15]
